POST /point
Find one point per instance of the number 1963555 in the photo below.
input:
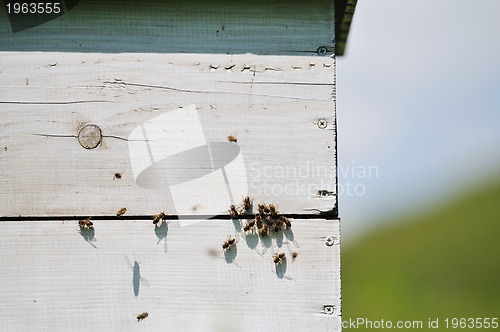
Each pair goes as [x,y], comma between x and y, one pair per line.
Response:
[471,323]
[33,8]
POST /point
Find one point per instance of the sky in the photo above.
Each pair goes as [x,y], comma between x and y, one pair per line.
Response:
[418,107]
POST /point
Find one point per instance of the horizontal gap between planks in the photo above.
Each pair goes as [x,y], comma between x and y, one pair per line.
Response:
[329,215]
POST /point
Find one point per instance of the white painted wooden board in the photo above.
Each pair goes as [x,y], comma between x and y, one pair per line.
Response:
[273,105]
[52,279]
[281,27]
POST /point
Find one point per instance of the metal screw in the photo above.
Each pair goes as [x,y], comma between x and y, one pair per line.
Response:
[322,50]
[325,193]
[328,309]
[322,123]
[89,136]
[329,241]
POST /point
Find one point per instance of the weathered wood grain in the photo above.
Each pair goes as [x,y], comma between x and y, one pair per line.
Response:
[271,104]
[281,27]
[55,279]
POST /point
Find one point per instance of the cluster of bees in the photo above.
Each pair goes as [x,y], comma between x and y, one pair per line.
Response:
[266,221]
[267,218]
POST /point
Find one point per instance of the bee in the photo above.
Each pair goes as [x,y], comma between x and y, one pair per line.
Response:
[158,218]
[261,208]
[294,255]
[117,176]
[142,316]
[233,212]
[232,139]
[264,230]
[249,225]
[278,258]
[276,227]
[273,210]
[121,212]
[230,242]
[269,220]
[285,221]
[85,224]
[266,209]
[247,203]
[258,220]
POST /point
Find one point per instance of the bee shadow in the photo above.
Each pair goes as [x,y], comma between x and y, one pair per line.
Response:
[252,240]
[290,236]
[88,235]
[281,269]
[279,238]
[237,225]
[266,242]
[136,276]
[161,233]
[230,254]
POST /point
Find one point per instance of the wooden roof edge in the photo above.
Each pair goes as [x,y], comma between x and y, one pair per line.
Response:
[344,12]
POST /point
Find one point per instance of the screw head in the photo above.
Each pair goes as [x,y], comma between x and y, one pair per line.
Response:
[328,309]
[89,136]
[322,123]
[329,241]
[325,193]
[322,50]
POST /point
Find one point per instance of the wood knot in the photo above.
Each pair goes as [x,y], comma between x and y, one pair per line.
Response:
[90,136]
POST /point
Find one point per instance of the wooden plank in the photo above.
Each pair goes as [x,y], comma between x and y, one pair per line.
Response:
[53,278]
[271,104]
[291,27]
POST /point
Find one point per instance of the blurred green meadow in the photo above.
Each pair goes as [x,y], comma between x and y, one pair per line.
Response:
[441,264]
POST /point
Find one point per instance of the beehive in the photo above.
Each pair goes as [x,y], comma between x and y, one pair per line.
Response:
[115,112]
